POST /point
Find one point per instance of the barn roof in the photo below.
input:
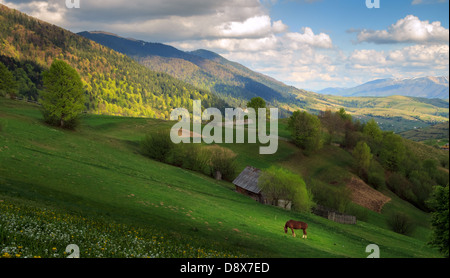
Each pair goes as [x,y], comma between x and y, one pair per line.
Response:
[248,179]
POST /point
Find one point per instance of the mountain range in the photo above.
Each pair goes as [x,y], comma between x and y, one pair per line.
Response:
[424,87]
[206,70]
[128,77]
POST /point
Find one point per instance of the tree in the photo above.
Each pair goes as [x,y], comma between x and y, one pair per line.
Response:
[335,122]
[63,98]
[372,130]
[280,184]
[255,103]
[393,151]
[332,122]
[305,130]
[439,203]
[343,115]
[363,157]
[8,85]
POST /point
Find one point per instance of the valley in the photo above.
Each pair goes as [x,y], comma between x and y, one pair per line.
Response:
[116,185]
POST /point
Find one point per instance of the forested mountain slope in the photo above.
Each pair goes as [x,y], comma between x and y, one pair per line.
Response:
[114,83]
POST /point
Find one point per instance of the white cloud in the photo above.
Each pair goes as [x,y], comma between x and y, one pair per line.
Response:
[407,30]
[257,26]
[297,40]
[50,11]
[244,31]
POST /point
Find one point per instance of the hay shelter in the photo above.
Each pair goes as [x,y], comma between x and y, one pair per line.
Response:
[247,183]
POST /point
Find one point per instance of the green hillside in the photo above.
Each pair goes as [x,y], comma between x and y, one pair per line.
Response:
[433,135]
[114,83]
[93,188]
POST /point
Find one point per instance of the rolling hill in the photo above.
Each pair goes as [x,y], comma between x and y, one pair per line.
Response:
[423,87]
[114,83]
[434,135]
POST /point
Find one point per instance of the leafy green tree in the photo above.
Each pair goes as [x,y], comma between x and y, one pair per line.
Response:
[372,130]
[393,151]
[8,85]
[280,184]
[363,157]
[306,131]
[343,115]
[439,203]
[63,99]
[255,103]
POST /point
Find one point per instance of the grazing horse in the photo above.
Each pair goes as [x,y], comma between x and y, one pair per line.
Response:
[292,224]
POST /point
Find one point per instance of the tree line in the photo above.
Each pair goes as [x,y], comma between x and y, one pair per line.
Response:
[382,159]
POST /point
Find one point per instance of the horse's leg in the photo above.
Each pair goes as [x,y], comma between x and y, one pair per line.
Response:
[293,232]
[304,234]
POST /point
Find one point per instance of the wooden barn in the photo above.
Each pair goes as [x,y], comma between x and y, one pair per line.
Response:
[247,183]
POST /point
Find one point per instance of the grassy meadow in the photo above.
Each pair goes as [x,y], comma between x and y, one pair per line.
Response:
[92,187]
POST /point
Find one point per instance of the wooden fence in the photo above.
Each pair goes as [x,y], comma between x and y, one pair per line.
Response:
[334,215]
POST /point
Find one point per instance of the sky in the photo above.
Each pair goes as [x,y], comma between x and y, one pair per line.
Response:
[309,44]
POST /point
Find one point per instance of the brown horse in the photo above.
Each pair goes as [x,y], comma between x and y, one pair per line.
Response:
[292,224]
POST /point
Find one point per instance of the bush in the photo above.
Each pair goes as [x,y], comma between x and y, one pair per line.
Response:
[444,161]
[376,180]
[376,177]
[332,196]
[280,184]
[224,161]
[401,187]
[157,145]
[401,223]
[196,157]
[438,202]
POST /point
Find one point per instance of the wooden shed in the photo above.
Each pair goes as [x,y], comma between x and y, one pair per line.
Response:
[247,183]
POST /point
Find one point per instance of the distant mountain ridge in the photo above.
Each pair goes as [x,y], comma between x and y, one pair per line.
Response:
[424,87]
[206,70]
[236,84]
[133,47]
